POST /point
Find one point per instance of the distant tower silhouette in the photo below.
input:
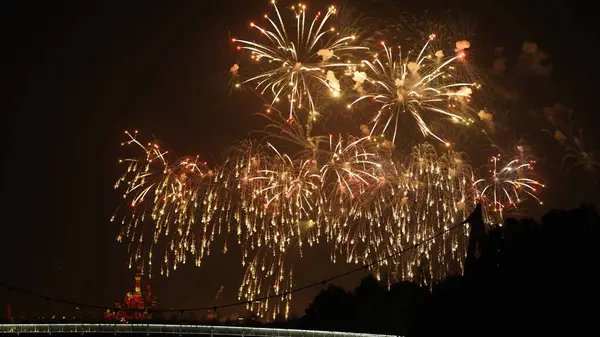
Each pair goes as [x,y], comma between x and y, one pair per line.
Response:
[138,282]
[477,239]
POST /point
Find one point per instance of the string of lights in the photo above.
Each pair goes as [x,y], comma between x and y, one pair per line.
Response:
[260,299]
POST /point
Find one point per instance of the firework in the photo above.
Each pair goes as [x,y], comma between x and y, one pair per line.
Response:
[362,196]
[352,168]
[414,202]
[271,199]
[352,194]
[423,86]
[269,193]
[580,156]
[171,196]
[270,271]
[296,62]
[507,184]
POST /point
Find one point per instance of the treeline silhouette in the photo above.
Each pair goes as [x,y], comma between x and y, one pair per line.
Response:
[522,277]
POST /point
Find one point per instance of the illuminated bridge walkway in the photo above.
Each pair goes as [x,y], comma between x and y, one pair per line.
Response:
[166,329]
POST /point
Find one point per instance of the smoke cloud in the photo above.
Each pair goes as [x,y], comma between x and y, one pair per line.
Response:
[359,79]
[462,45]
[326,54]
[487,118]
[333,82]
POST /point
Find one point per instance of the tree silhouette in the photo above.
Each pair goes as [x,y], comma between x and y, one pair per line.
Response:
[332,309]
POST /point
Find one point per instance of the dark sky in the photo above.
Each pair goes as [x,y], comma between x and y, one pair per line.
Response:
[76,74]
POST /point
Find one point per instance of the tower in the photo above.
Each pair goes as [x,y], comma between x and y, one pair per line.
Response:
[138,281]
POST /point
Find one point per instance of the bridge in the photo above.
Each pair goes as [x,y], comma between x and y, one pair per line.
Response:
[169,329]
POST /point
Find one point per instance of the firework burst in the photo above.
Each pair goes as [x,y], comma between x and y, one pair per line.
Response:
[171,195]
[352,168]
[507,185]
[419,85]
[296,63]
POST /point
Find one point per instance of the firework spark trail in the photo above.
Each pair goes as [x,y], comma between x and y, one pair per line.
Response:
[269,271]
[297,64]
[419,85]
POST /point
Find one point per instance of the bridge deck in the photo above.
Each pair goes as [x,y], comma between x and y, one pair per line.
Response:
[147,329]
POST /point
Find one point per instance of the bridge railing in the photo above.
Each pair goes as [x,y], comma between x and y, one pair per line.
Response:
[147,329]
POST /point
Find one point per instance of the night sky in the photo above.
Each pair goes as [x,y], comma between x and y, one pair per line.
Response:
[76,74]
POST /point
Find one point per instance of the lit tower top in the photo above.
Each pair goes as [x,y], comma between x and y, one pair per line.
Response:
[138,281]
